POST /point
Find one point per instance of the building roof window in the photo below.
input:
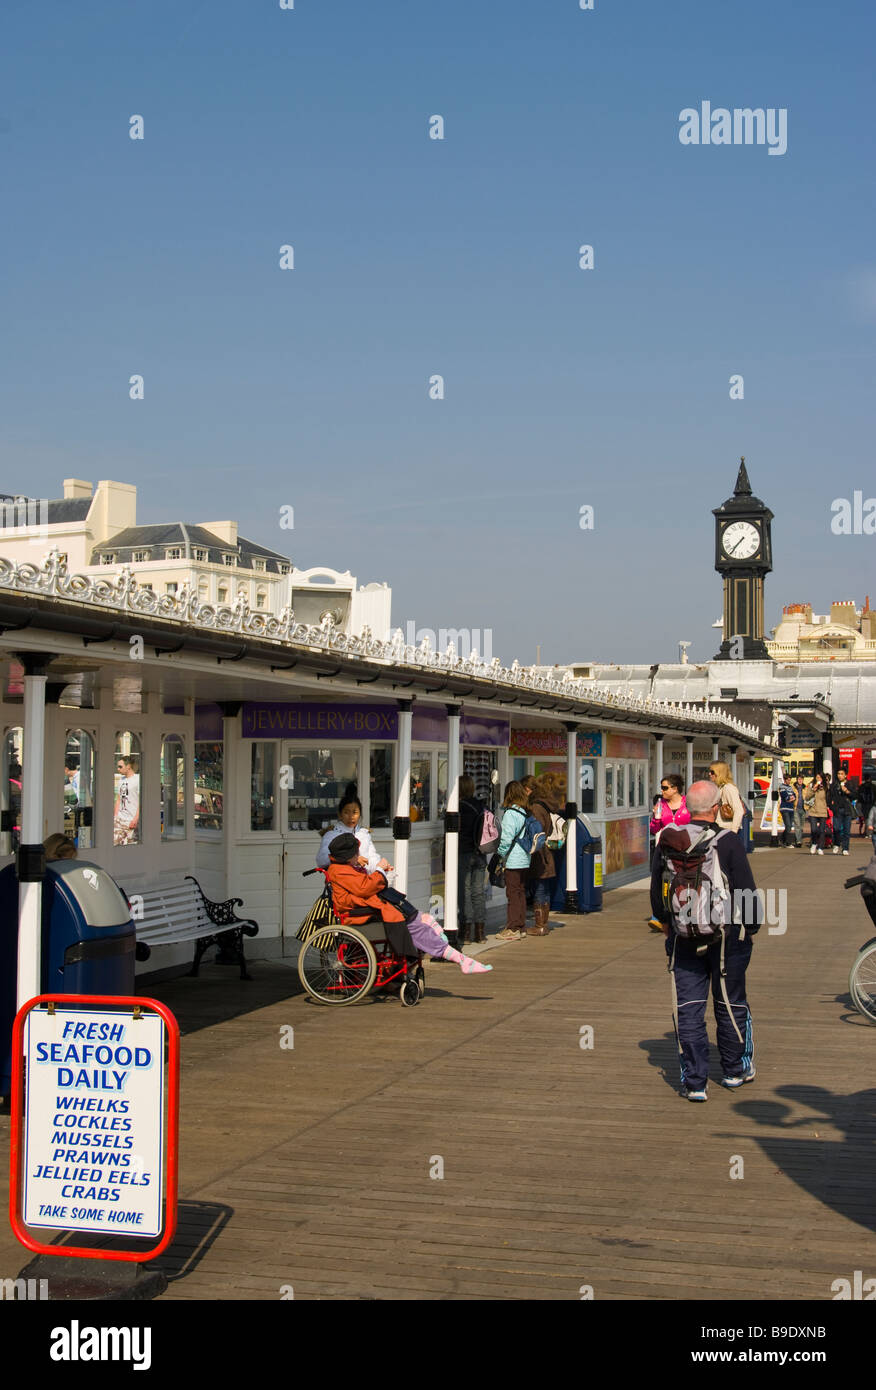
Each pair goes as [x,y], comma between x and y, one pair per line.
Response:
[107,559]
[199,554]
[230,560]
[173,552]
[260,565]
[141,556]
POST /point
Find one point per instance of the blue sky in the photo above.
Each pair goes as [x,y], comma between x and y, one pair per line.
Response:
[266,388]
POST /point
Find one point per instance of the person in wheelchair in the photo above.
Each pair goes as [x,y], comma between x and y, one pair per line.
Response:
[359,897]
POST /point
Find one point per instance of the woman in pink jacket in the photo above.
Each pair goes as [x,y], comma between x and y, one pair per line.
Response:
[672,807]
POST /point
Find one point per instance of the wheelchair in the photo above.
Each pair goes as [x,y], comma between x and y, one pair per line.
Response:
[341,964]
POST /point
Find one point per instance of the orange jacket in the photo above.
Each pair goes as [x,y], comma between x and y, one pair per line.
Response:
[354,894]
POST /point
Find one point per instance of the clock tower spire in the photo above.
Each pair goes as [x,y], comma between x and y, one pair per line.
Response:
[743,557]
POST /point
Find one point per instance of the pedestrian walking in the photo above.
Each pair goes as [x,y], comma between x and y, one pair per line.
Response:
[799,810]
[670,808]
[731,808]
[472,865]
[865,802]
[815,802]
[710,912]
[841,804]
[787,802]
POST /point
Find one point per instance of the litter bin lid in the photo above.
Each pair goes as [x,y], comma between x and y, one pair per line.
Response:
[99,897]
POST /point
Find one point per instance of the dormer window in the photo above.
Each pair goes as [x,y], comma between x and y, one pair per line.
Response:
[141,556]
[229,560]
[174,552]
[260,565]
[199,554]
[107,559]
[284,569]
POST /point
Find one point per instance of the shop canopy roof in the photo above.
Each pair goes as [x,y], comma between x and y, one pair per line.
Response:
[88,627]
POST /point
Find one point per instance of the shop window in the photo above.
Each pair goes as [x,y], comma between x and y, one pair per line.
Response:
[262,786]
[442,784]
[316,779]
[620,797]
[609,786]
[421,787]
[587,790]
[79,781]
[173,788]
[641,784]
[482,766]
[126,802]
[208,786]
[380,784]
[11,789]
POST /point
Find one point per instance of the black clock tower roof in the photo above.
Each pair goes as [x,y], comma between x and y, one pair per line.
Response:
[743,500]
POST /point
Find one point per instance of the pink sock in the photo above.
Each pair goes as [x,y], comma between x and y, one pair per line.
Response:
[467,964]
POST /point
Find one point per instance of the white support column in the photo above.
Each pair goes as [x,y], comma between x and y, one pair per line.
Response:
[572,818]
[827,754]
[401,826]
[733,771]
[451,823]
[689,764]
[715,752]
[658,762]
[31,862]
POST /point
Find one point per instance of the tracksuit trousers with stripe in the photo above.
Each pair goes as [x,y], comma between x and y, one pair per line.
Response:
[694,977]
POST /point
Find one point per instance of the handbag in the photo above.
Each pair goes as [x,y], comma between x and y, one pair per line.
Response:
[726,810]
[397,899]
[320,915]
[496,864]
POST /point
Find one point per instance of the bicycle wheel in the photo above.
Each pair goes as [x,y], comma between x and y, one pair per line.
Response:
[862,981]
[337,966]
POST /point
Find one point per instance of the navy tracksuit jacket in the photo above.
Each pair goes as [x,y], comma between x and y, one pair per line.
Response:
[694,975]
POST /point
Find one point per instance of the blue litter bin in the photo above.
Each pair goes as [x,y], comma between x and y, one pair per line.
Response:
[588,855]
[88,940]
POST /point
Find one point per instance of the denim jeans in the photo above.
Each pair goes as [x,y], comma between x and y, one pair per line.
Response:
[842,828]
[543,890]
[471,879]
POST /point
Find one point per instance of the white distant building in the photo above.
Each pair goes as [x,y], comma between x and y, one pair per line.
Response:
[95,531]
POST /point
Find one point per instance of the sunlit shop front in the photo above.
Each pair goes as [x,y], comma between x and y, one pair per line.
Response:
[611,785]
[296,762]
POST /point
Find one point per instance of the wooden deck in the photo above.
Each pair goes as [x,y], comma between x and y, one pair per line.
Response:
[309,1169]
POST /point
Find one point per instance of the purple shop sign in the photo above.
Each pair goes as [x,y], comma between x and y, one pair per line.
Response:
[266,719]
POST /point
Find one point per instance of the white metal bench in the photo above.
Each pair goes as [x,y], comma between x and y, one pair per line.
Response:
[181,912]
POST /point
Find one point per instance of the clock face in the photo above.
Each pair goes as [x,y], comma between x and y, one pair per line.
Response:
[740,540]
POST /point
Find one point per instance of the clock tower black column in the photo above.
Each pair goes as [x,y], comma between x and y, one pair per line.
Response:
[743,556]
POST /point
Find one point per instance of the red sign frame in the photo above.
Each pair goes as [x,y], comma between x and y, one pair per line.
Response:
[88,1252]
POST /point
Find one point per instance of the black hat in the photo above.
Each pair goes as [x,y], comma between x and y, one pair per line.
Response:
[344,849]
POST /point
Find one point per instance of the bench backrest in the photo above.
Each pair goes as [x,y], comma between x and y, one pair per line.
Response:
[173,912]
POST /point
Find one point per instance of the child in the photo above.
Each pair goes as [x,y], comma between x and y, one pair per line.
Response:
[357,898]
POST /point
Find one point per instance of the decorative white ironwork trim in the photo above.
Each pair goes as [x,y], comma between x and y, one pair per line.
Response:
[122,594]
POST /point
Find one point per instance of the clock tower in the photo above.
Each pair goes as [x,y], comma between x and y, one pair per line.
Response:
[743,556]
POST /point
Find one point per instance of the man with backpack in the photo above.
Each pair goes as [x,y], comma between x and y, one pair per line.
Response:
[703,892]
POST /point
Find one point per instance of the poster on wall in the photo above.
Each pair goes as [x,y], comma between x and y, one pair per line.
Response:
[626,844]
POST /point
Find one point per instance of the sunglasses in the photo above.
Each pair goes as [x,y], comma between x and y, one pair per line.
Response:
[664,787]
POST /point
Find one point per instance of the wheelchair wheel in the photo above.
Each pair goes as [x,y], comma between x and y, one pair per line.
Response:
[410,993]
[421,980]
[337,966]
[862,981]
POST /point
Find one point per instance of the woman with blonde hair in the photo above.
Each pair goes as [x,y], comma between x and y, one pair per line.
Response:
[731,808]
[516,860]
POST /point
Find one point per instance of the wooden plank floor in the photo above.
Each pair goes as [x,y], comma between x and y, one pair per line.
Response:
[309,1169]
